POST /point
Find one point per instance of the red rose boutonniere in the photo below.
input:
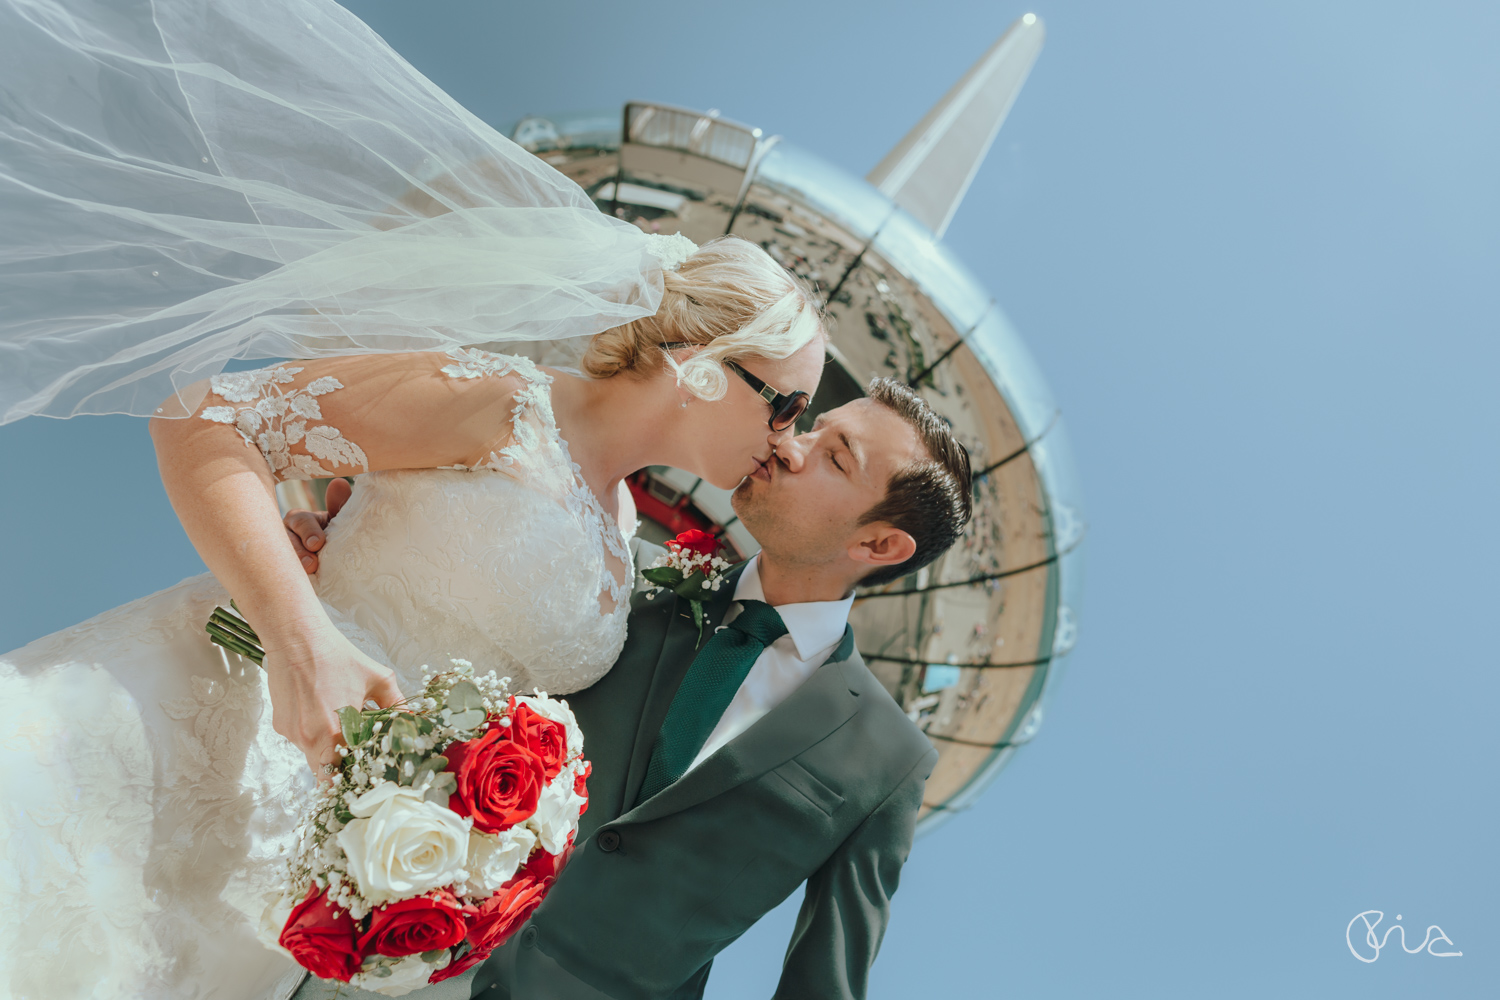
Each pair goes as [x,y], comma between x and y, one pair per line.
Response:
[691,570]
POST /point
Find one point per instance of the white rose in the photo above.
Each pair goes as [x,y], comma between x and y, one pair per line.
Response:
[494,858]
[273,920]
[558,711]
[411,973]
[557,812]
[400,845]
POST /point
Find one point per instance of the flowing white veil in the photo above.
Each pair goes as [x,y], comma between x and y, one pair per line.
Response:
[185,182]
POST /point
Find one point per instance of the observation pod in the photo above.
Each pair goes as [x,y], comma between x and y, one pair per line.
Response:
[966,646]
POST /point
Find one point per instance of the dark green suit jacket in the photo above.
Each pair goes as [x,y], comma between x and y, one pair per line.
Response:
[823,789]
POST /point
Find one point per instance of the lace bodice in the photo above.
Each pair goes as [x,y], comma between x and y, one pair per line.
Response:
[506,564]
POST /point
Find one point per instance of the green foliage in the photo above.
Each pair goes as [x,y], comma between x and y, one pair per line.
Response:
[465,707]
[351,720]
[443,786]
[434,765]
[663,576]
[404,734]
[695,587]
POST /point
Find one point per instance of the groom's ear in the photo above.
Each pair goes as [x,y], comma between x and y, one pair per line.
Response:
[880,545]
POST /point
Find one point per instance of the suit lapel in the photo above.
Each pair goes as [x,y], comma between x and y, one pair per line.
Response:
[678,649]
[823,703]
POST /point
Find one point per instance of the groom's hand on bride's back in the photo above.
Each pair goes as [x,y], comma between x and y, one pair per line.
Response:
[306,529]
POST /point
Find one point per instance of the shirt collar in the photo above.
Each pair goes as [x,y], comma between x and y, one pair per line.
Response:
[813,626]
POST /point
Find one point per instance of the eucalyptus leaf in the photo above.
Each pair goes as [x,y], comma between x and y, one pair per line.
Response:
[433,957]
[415,761]
[404,734]
[463,696]
[443,786]
[471,719]
[350,720]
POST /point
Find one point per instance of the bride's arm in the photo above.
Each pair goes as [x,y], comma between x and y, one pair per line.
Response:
[339,416]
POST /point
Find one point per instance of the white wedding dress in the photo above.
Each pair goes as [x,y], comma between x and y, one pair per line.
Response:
[146,804]
[188,182]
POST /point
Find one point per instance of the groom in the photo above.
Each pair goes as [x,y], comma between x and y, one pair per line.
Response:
[728,771]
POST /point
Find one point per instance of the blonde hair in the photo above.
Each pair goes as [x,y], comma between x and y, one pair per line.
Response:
[732,298]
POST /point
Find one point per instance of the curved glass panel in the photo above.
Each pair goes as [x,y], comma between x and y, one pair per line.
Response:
[909,245]
[999,348]
[1053,456]
[1071,566]
[835,192]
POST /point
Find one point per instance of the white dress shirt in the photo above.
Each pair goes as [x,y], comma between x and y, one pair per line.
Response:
[813,631]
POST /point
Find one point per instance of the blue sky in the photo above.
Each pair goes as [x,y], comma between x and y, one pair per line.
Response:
[1256,249]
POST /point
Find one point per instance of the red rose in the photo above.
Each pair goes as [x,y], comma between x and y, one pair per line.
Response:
[460,965]
[541,735]
[581,786]
[503,913]
[695,541]
[499,780]
[412,926]
[542,865]
[321,937]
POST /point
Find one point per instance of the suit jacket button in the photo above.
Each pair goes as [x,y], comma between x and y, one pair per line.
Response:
[528,937]
[609,841]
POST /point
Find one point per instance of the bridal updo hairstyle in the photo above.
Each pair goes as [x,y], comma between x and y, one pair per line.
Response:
[732,298]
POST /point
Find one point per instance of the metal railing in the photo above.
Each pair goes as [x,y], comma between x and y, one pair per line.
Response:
[701,133]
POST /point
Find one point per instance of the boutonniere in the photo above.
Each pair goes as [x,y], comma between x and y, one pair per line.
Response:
[691,569]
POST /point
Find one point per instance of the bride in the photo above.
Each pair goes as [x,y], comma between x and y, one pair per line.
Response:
[185,182]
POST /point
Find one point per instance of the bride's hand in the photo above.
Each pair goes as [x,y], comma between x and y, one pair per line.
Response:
[311,682]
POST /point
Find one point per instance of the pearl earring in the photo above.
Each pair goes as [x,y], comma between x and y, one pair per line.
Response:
[683,404]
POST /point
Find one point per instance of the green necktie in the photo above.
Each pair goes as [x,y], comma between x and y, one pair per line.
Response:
[716,674]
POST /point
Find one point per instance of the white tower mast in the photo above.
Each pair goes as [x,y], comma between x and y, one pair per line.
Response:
[929,171]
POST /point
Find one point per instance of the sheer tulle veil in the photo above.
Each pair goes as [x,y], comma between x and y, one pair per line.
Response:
[186,182]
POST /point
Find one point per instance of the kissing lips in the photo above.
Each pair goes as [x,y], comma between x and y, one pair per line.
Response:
[762,470]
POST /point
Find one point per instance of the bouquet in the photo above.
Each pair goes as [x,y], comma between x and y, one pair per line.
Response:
[445,823]
[690,568]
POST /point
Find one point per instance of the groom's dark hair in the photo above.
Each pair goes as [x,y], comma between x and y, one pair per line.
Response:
[931,500]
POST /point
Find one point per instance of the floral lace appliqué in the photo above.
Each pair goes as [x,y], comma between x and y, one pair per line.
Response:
[278,421]
[470,362]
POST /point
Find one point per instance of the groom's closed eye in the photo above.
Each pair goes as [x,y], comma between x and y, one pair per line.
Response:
[853,453]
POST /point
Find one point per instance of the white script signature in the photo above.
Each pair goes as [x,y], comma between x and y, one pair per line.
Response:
[1377,944]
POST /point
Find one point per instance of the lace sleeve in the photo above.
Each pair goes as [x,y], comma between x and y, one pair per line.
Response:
[278,420]
[345,416]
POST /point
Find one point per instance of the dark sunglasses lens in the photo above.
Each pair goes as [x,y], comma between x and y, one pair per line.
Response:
[794,408]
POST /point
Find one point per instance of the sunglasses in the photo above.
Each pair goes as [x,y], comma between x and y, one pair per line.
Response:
[785,407]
